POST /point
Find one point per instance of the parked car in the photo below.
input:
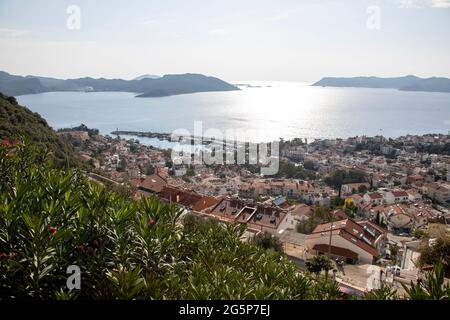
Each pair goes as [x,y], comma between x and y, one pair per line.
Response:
[394,270]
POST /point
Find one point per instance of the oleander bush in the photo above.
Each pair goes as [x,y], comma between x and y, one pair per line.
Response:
[126,249]
[51,219]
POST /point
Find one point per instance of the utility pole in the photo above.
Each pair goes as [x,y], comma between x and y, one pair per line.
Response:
[329,244]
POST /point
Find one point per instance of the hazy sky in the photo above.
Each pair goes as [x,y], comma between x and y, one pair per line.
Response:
[231,39]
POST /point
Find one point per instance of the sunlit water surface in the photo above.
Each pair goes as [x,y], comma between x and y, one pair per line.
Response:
[273,110]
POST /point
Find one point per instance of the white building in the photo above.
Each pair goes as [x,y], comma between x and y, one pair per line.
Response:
[349,240]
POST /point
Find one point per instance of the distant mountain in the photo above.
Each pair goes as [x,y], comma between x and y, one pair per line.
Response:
[407,83]
[145,87]
[187,83]
[147,76]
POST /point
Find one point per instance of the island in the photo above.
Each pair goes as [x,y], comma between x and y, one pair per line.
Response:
[406,83]
[144,86]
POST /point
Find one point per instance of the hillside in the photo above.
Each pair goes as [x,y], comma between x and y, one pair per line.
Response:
[145,86]
[147,76]
[17,122]
[407,83]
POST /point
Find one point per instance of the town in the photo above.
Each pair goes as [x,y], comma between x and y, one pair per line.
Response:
[365,202]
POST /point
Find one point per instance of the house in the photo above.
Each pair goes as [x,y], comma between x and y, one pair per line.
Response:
[350,188]
[204,203]
[182,198]
[357,199]
[257,217]
[296,214]
[349,241]
[395,216]
[374,198]
[79,136]
[415,178]
[438,191]
[413,195]
[150,184]
[396,196]
[339,214]
[379,233]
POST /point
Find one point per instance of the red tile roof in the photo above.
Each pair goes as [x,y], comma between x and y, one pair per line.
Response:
[342,252]
[154,183]
[351,231]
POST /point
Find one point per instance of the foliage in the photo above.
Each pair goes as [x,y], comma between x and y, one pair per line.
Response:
[320,215]
[81,127]
[126,249]
[289,170]
[393,249]
[319,263]
[190,172]
[419,233]
[383,293]
[433,287]
[19,123]
[362,189]
[266,241]
[339,177]
[148,169]
[350,207]
[437,251]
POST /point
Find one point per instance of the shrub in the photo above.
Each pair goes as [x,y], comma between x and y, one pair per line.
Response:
[126,249]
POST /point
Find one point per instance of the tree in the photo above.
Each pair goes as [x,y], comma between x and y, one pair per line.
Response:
[393,249]
[433,287]
[309,165]
[149,169]
[350,207]
[267,241]
[319,263]
[419,233]
[122,166]
[339,177]
[190,172]
[438,251]
[320,215]
[362,189]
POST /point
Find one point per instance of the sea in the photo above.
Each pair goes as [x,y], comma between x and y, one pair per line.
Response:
[259,112]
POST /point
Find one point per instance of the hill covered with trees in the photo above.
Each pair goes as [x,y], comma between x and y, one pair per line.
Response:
[18,123]
[145,86]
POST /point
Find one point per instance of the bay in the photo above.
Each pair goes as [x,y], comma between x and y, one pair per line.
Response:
[268,110]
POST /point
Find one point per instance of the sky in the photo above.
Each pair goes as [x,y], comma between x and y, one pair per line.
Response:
[277,40]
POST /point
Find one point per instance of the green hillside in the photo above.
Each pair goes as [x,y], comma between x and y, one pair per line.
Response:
[18,123]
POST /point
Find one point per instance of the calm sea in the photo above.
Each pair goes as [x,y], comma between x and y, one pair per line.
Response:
[266,112]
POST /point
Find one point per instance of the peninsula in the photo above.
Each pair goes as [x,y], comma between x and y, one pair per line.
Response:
[145,86]
[407,83]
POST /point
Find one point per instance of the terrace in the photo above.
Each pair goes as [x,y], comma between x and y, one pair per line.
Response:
[245,214]
[227,209]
